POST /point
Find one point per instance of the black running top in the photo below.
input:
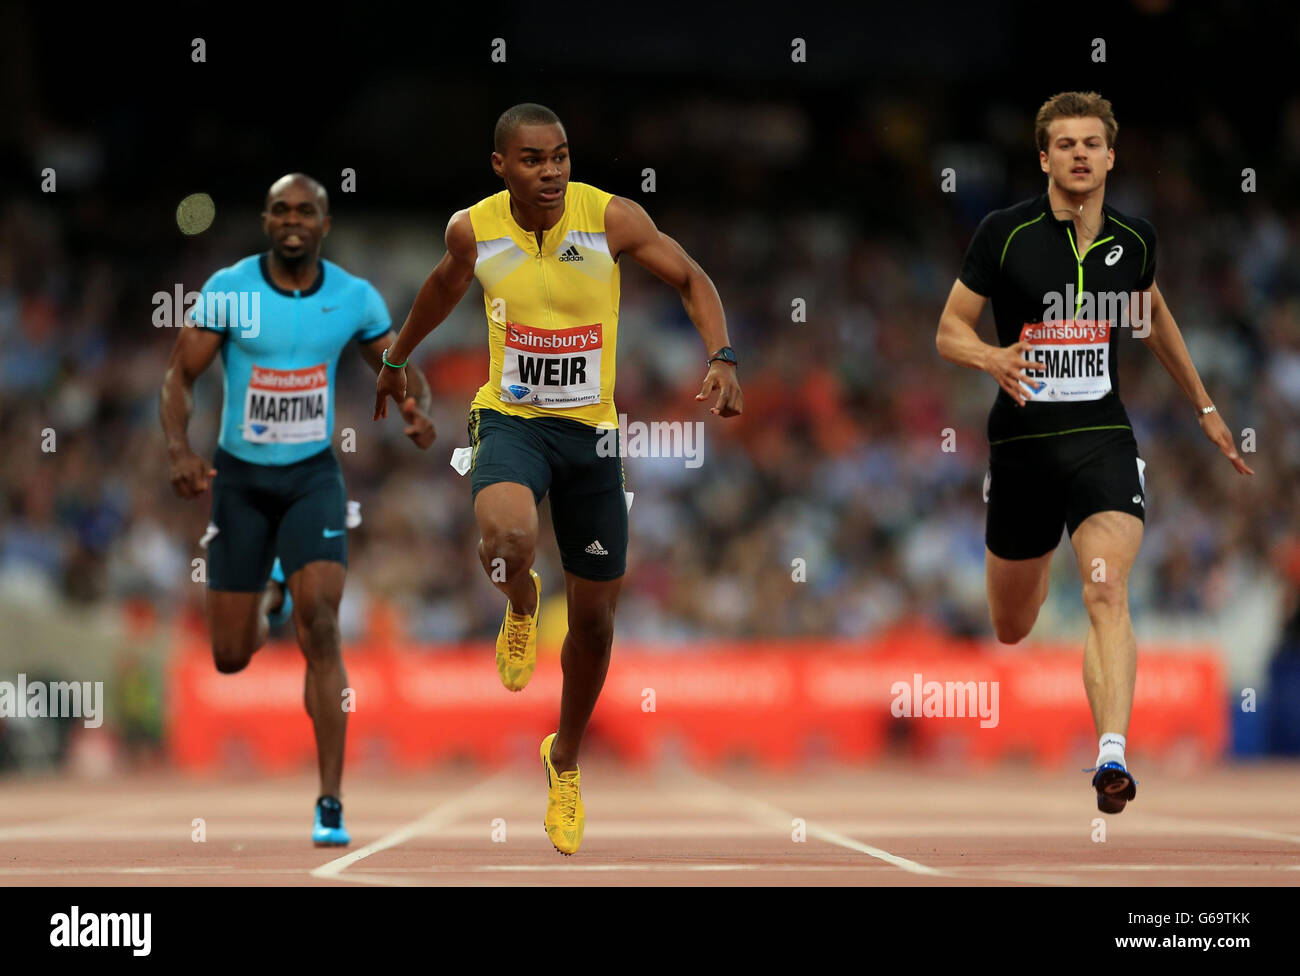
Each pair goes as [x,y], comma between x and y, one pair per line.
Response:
[1070,307]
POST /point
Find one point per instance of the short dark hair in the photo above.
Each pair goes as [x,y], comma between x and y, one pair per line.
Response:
[525,113]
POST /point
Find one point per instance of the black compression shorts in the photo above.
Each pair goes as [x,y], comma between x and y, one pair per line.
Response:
[578,465]
[1036,485]
[297,512]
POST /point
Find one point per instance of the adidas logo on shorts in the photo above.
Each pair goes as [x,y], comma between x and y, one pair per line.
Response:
[571,254]
[596,549]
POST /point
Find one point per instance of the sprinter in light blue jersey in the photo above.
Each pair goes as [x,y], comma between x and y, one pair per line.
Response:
[279,509]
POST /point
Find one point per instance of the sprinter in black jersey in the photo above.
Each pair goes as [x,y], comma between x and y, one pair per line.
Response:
[1070,278]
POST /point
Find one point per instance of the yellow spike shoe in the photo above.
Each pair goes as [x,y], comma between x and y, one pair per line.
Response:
[565,816]
[517,643]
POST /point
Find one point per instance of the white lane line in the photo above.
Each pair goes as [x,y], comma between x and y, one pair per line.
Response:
[444,813]
[764,812]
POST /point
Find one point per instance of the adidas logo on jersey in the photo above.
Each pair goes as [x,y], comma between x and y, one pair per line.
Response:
[596,549]
[571,254]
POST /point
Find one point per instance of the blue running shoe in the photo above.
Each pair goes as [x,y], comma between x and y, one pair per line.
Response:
[1114,786]
[280,617]
[329,830]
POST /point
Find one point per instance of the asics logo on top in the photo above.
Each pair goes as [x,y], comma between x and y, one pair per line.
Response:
[596,549]
[571,254]
[1114,254]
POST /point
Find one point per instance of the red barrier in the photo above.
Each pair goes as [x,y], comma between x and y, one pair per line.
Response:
[776,703]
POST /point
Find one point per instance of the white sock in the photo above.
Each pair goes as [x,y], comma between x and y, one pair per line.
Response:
[1110,748]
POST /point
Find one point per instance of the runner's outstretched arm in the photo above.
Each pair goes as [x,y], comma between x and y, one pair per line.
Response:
[193,353]
[630,231]
[1166,341]
[445,286]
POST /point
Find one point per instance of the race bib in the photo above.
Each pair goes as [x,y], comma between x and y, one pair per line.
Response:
[552,367]
[287,406]
[1076,359]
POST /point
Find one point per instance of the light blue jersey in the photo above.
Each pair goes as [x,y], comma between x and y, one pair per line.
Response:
[280,353]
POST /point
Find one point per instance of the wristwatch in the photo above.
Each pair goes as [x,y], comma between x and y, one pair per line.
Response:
[727,355]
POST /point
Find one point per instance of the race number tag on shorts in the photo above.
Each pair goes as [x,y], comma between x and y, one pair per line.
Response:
[1076,354]
[287,406]
[552,367]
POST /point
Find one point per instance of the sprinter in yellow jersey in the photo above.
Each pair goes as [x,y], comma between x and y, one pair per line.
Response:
[546,253]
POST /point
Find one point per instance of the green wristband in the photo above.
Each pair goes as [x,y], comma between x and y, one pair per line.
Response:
[384,357]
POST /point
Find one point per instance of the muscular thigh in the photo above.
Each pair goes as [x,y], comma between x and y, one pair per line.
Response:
[1015,583]
[504,509]
[233,617]
[1106,544]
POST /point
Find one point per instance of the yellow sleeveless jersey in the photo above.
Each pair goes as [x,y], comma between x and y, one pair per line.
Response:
[552,310]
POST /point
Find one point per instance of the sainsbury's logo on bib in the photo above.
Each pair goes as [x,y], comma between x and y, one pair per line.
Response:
[552,367]
[312,377]
[287,405]
[554,340]
[1070,331]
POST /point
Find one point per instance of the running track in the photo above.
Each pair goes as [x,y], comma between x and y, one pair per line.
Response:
[888,825]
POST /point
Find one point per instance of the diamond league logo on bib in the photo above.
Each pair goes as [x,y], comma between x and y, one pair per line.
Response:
[519,391]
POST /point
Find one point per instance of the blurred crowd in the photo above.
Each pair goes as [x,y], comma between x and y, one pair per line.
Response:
[831,507]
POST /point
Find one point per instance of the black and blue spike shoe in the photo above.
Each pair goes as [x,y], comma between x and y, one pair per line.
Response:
[1114,786]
